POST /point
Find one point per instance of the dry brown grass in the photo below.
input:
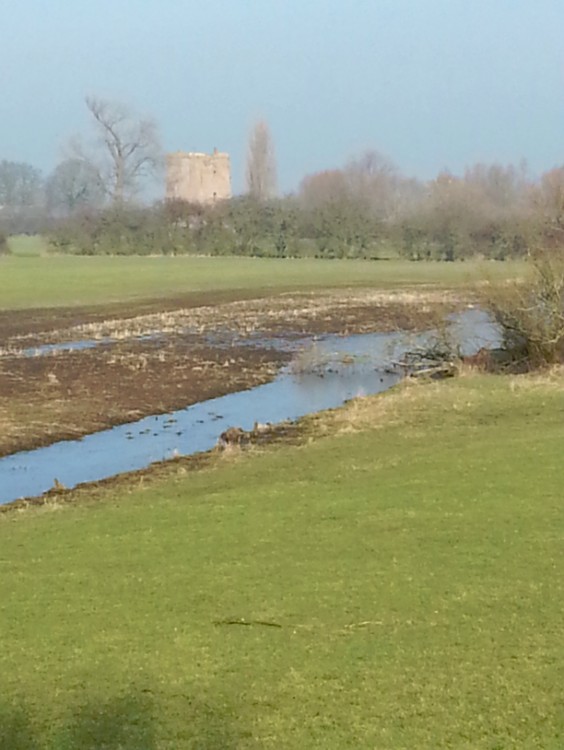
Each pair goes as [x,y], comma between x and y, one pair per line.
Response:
[551,378]
[375,412]
[356,310]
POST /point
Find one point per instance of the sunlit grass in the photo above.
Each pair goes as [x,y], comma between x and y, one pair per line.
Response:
[393,582]
[27,282]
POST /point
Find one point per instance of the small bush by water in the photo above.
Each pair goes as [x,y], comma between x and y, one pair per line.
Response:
[530,312]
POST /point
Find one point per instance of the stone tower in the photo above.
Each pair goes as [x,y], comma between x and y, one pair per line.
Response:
[198,178]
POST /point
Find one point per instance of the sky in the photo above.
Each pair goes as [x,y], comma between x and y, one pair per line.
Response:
[432,84]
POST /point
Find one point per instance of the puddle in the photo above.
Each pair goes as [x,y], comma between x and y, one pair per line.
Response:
[474,330]
[351,366]
[69,346]
[41,350]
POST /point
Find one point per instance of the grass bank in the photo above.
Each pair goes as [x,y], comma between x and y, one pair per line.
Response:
[30,282]
[394,583]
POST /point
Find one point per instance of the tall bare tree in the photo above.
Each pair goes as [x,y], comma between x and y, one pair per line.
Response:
[261,163]
[126,151]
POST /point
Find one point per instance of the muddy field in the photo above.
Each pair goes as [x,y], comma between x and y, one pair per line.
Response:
[157,357]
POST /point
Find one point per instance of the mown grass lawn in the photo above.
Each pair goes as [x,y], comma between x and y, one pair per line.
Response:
[48,281]
[400,576]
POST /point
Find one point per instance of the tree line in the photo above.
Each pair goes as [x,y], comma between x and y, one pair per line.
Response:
[92,203]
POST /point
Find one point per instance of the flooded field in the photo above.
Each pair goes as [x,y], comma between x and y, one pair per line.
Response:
[66,374]
[324,372]
[183,432]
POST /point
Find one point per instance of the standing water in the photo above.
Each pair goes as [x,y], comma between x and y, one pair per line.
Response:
[340,368]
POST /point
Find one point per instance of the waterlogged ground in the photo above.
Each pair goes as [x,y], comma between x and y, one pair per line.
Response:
[67,373]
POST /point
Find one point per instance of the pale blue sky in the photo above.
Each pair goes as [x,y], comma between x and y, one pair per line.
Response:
[430,83]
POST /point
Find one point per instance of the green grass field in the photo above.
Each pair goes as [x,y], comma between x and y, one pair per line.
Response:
[27,282]
[408,560]
[27,245]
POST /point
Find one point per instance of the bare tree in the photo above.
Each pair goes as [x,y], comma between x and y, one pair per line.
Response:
[22,197]
[126,151]
[375,181]
[74,184]
[548,199]
[322,188]
[21,185]
[261,163]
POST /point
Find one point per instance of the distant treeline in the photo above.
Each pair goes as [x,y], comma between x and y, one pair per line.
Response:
[367,209]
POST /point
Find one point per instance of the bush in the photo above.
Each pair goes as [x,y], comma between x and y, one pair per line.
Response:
[4,247]
[530,312]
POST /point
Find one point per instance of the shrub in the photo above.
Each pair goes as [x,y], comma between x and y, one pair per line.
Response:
[530,312]
[4,247]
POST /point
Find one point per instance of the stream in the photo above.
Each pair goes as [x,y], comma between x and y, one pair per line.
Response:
[325,374]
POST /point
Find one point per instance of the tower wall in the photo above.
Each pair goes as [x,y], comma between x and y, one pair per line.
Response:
[198,178]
